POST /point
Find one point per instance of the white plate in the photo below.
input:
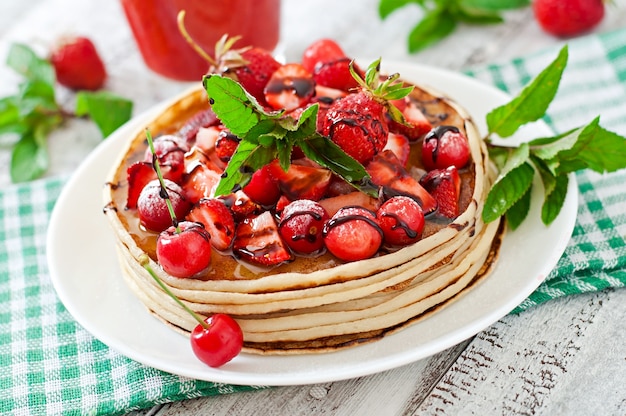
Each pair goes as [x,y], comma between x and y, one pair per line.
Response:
[87,278]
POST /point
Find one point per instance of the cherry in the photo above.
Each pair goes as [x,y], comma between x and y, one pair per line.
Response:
[217,342]
[401,219]
[170,151]
[445,146]
[152,206]
[301,225]
[353,234]
[173,248]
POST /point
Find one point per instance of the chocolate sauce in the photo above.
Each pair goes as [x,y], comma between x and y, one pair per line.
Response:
[411,233]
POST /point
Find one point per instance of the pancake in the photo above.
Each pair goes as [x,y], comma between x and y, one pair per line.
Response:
[318,303]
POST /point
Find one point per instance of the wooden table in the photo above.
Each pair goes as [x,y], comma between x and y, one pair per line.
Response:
[564,357]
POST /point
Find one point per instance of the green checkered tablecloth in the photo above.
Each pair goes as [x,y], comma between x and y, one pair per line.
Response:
[50,365]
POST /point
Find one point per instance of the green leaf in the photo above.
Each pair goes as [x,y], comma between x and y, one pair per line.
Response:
[237,110]
[244,162]
[518,212]
[386,7]
[506,191]
[436,25]
[10,120]
[108,111]
[29,158]
[532,103]
[494,5]
[26,63]
[477,16]
[554,200]
[547,148]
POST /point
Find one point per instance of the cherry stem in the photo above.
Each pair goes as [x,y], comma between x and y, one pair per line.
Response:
[189,39]
[164,194]
[145,262]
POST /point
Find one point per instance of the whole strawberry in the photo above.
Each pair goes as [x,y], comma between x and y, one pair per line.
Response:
[565,18]
[77,64]
[358,122]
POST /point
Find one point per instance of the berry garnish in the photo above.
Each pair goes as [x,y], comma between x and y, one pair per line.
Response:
[415,125]
[320,52]
[301,225]
[445,186]
[77,64]
[216,339]
[262,187]
[353,234]
[217,219]
[185,250]
[290,87]
[152,206]
[257,241]
[566,18]
[445,146]
[402,220]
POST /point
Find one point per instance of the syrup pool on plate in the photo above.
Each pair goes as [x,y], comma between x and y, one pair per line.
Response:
[165,51]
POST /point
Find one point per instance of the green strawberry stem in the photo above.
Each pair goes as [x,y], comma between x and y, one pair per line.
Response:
[163,193]
[145,262]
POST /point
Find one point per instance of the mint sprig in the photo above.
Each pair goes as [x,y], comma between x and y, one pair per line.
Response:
[441,17]
[266,136]
[552,158]
[33,112]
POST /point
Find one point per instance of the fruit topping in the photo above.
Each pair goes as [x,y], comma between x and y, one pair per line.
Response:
[290,87]
[386,170]
[301,225]
[78,65]
[200,183]
[225,145]
[152,207]
[138,175]
[445,186]
[186,252]
[402,220]
[400,147]
[415,125]
[301,181]
[217,219]
[262,188]
[320,52]
[171,154]
[204,118]
[257,241]
[353,234]
[445,146]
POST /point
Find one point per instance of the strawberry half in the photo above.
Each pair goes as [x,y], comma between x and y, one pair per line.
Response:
[387,171]
[416,124]
[335,74]
[445,186]
[217,219]
[257,240]
[138,175]
[300,181]
[290,87]
[400,146]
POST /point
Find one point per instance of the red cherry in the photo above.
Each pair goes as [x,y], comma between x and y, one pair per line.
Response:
[218,343]
[445,146]
[152,208]
[301,225]
[185,253]
[402,220]
[353,234]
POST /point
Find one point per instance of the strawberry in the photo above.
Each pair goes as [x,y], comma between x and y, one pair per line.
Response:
[262,187]
[445,186]
[402,220]
[138,175]
[200,183]
[300,181]
[335,74]
[241,205]
[217,219]
[203,118]
[171,154]
[257,240]
[353,234]
[565,18]
[320,52]
[225,145]
[400,146]
[77,64]
[416,124]
[354,198]
[290,87]
[387,171]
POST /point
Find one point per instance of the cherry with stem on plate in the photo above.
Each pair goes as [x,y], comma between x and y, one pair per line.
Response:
[183,250]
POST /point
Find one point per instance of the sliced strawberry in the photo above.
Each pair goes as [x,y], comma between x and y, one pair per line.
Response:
[138,175]
[353,234]
[241,205]
[262,187]
[290,87]
[320,52]
[226,145]
[254,72]
[300,181]
[217,220]
[445,186]
[203,118]
[200,183]
[400,146]
[418,124]
[402,220]
[257,240]
[387,171]
[335,74]
[355,198]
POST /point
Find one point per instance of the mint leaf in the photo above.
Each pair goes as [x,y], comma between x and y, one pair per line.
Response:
[518,212]
[554,200]
[386,7]
[532,103]
[245,161]
[506,191]
[436,25]
[494,5]
[25,62]
[29,158]
[107,110]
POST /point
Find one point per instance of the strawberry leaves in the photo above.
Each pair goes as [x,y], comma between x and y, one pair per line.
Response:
[33,112]
[553,158]
[266,136]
